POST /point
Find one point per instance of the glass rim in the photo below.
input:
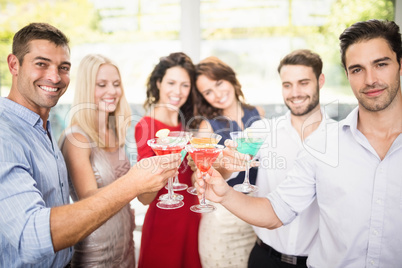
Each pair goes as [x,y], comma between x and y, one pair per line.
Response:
[152,143]
[207,145]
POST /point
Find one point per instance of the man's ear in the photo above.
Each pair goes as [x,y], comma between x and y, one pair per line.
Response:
[13,64]
[400,66]
[321,81]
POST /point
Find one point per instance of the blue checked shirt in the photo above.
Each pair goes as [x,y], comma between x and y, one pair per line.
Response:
[33,178]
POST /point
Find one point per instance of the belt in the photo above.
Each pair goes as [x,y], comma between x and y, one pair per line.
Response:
[283,257]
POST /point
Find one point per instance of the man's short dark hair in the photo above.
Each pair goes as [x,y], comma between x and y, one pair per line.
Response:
[36,31]
[367,30]
[303,57]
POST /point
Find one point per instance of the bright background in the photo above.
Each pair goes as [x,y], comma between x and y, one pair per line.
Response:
[250,35]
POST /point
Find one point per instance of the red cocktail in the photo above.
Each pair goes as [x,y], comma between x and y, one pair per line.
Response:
[204,156]
[200,138]
[163,146]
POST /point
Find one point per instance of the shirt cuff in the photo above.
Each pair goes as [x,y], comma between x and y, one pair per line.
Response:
[282,210]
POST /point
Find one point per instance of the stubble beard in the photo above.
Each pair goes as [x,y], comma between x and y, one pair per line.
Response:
[376,104]
[315,99]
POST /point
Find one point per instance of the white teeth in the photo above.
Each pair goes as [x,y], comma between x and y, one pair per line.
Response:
[223,99]
[109,100]
[297,101]
[49,89]
[174,99]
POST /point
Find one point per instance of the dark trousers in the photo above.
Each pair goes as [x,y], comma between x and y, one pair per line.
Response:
[259,259]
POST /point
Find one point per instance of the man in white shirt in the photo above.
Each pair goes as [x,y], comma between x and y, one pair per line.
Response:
[302,78]
[357,184]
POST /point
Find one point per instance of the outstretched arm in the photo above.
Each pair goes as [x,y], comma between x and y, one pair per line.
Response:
[257,211]
[71,223]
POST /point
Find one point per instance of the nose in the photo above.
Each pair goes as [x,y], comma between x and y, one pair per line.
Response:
[370,77]
[295,91]
[111,89]
[53,74]
[177,89]
[218,93]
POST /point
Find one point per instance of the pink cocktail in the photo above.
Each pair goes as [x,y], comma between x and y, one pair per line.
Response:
[204,156]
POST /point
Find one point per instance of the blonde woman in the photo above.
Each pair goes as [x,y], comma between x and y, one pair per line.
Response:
[93,147]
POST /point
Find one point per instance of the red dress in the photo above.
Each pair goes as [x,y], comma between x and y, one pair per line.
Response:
[169,237]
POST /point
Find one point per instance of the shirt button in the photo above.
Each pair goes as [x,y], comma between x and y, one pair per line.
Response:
[372,262]
[379,201]
[62,184]
[375,232]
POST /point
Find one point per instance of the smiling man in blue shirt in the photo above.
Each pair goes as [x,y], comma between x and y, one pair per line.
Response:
[37,225]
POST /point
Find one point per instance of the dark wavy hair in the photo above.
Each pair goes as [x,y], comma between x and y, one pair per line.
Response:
[215,69]
[370,29]
[174,59]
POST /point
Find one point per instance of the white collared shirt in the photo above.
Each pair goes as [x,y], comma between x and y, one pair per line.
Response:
[276,158]
[359,198]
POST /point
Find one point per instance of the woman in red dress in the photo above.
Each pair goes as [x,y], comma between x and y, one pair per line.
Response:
[169,237]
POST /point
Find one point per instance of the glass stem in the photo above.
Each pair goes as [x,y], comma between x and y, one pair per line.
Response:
[176,180]
[246,176]
[170,188]
[202,202]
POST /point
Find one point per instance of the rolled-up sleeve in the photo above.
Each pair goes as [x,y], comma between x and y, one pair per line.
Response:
[297,191]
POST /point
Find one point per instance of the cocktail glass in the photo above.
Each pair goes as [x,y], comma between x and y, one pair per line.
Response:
[204,155]
[177,185]
[202,138]
[248,143]
[169,145]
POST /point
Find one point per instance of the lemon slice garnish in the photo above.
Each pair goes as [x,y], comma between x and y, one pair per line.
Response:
[203,146]
[162,133]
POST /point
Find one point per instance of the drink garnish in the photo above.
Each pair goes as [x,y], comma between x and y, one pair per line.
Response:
[162,133]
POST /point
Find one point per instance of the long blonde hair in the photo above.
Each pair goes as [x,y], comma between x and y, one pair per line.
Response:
[84,102]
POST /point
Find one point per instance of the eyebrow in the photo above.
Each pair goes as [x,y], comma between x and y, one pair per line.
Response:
[48,60]
[374,62]
[298,81]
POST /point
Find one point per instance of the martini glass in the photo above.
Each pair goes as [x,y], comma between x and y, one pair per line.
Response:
[169,145]
[177,186]
[204,156]
[199,138]
[248,143]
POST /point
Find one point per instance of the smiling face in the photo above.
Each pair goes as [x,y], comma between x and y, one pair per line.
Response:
[43,76]
[373,73]
[218,93]
[300,88]
[107,89]
[174,87]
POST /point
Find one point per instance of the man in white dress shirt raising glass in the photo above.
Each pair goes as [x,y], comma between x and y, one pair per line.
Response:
[302,79]
[357,183]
